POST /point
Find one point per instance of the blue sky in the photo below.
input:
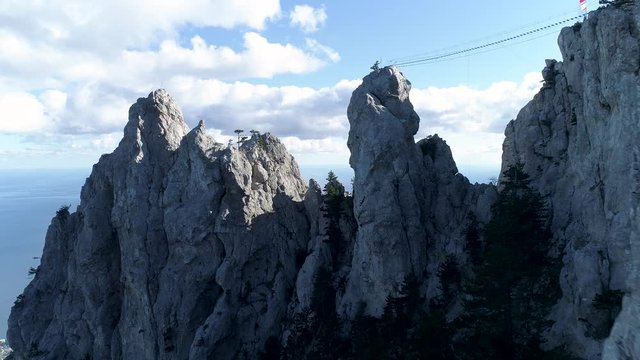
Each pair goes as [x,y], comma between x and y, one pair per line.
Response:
[71,68]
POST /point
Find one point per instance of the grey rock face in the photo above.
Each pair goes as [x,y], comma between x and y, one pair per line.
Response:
[578,139]
[454,206]
[391,239]
[410,203]
[183,248]
[180,248]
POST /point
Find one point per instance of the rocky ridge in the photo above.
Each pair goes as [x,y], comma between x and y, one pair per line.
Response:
[407,196]
[578,140]
[180,248]
[183,248]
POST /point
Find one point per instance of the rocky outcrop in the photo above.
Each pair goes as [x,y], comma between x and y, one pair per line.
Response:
[180,248]
[578,139]
[183,248]
[388,194]
[411,204]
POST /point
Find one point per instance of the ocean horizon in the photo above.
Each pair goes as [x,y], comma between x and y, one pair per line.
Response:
[28,201]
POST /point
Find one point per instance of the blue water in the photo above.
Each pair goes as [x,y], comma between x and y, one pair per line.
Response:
[28,201]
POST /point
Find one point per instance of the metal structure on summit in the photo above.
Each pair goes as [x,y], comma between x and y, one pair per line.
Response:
[584,7]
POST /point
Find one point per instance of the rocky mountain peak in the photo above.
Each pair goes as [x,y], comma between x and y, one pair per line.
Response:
[438,155]
[388,89]
[397,185]
[155,127]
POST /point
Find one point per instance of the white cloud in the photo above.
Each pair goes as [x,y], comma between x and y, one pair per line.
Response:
[464,109]
[472,121]
[108,25]
[139,45]
[43,66]
[259,59]
[308,18]
[54,101]
[314,146]
[312,122]
[105,142]
[21,113]
[87,62]
[88,118]
[329,150]
[303,112]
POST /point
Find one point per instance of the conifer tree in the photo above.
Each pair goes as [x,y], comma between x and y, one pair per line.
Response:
[516,282]
[333,202]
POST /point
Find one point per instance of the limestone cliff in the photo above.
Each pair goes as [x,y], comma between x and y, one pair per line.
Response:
[578,139]
[183,248]
[411,204]
[180,248]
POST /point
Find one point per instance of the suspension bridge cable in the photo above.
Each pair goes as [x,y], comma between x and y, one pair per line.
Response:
[424,60]
[483,51]
[483,39]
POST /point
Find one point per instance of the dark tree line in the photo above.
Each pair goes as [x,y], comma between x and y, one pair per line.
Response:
[506,301]
[516,281]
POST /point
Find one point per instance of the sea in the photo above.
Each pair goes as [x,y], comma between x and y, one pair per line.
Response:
[28,201]
[30,198]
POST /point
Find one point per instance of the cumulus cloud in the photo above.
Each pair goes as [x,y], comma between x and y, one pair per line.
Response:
[259,58]
[330,150]
[72,69]
[110,25]
[303,112]
[463,108]
[140,45]
[43,66]
[21,112]
[473,120]
[311,121]
[308,18]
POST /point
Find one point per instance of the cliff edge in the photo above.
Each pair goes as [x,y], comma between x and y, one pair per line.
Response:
[578,140]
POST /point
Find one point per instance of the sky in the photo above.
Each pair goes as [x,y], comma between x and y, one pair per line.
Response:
[70,69]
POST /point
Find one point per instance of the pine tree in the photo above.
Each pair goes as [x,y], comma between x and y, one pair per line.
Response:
[516,282]
[315,331]
[333,202]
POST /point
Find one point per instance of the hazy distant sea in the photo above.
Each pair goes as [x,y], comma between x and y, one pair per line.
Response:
[30,198]
[28,201]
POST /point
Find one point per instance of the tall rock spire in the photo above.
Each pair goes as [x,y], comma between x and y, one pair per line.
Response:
[388,203]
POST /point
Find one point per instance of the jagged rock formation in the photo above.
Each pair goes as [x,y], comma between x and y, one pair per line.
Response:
[180,248]
[578,139]
[391,239]
[183,248]
[407,197]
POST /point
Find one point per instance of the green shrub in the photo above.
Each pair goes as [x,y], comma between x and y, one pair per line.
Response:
[63,212]
[33,271]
